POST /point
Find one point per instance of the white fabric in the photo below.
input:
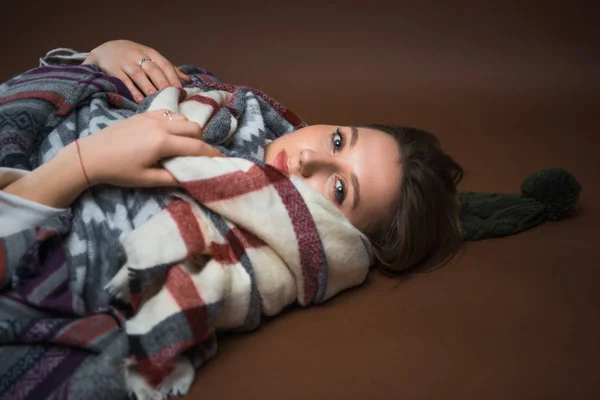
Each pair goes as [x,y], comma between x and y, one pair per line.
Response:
[62,55]
[16,213]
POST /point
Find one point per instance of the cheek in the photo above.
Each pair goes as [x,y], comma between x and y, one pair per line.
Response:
[315,140]
[318,184]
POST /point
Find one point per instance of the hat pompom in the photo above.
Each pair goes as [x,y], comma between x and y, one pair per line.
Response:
[556,188]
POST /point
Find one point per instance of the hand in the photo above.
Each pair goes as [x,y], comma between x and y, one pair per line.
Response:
[128,152]
[120,58]
[125,154]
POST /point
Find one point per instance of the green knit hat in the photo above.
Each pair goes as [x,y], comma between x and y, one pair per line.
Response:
[549,194]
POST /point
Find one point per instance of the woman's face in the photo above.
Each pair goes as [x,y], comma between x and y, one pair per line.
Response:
[357,169]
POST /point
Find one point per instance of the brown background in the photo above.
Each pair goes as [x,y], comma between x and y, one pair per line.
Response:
[509,89]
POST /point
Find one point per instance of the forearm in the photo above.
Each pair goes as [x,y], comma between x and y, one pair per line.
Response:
[32,205]
[56,183]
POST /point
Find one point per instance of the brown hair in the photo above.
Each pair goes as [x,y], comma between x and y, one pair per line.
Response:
[424,229]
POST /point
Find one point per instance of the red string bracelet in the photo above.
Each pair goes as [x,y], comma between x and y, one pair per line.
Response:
[81,163]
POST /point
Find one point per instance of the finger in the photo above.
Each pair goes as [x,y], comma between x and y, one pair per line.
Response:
[172,76]
[163,114]
[188,147]
[176,117]
[140,79]
[167,68]
[185,128]
[182,75]
[156,75]
[137,96]
[155,177]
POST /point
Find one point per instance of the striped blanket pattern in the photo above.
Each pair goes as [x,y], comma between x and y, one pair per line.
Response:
[241,241]
[245,240]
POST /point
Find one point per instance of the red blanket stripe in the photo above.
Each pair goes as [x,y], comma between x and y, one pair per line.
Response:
[55,99]
[309,245]
[190,231]
[86,330]
[182,288]
[208,101]
[238,241]
[230,106]
[157,367]
[136,301]
[223,253]
[204,100]
[249,240]
[115,100]
[228,186]
[182,95]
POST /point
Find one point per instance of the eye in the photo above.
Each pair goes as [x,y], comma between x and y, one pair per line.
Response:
[339,191]
[337,140]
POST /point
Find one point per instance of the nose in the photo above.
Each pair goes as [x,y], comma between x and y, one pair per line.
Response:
[312,162]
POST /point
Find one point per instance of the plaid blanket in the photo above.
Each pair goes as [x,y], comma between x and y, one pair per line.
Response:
[201,264]
[219,265]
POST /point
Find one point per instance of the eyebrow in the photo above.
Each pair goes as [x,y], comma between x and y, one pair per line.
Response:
[353,177]
[353,136]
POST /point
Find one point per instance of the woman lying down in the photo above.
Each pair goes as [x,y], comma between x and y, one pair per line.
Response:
[133,229]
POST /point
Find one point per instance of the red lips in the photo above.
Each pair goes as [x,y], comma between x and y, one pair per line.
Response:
[281,162]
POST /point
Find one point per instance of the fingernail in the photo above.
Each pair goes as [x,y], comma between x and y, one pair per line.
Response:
[139,98]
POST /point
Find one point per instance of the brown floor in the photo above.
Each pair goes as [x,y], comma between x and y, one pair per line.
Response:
[508,90]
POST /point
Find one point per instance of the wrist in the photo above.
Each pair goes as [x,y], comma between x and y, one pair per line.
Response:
[56,183]
[71,164]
